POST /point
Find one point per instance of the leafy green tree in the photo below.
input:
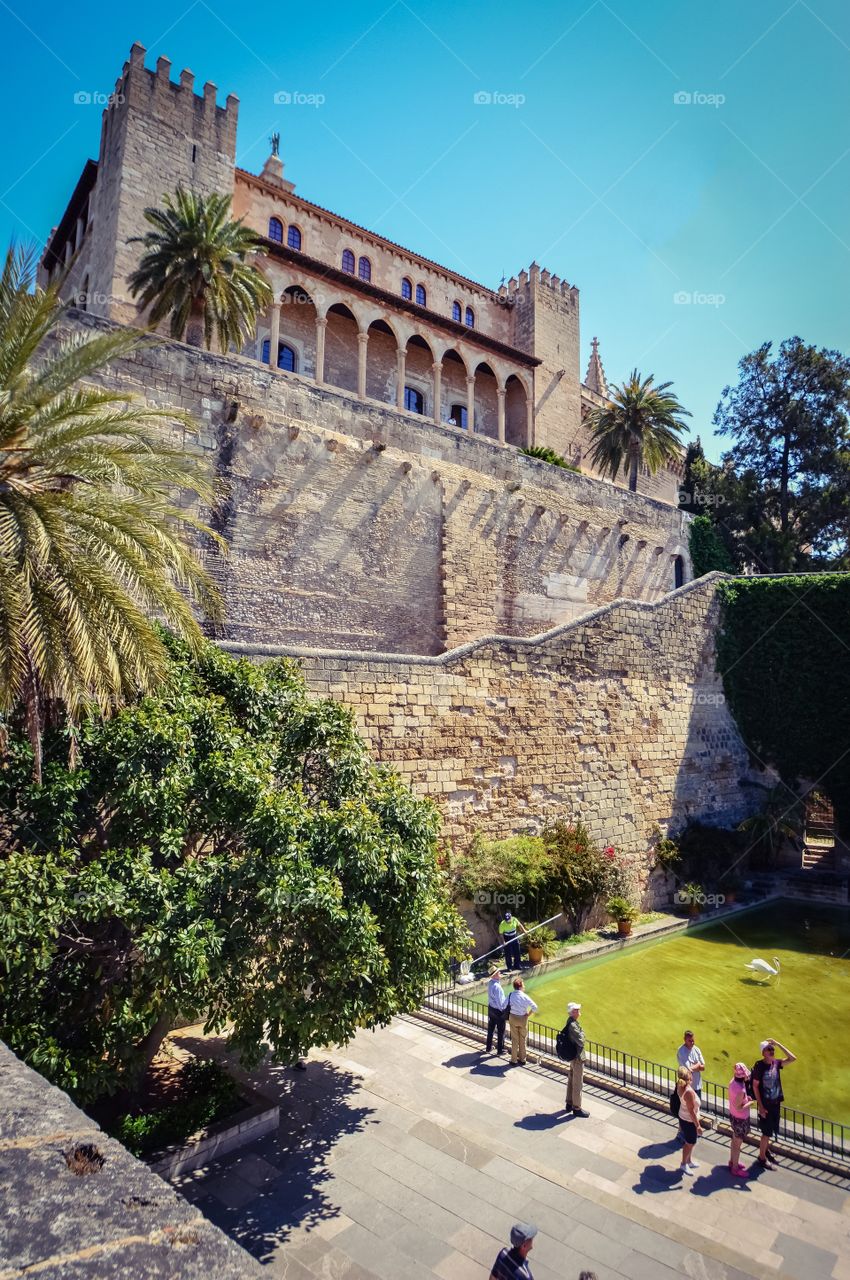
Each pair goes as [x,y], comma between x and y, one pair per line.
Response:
[194,271]
[545,454]
[92,541]
[641,427]
[225,849]
[518,873]
[706,547]
[788,418]
[582,872]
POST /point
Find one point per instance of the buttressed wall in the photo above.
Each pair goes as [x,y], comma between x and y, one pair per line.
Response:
[354,526]
[618,717]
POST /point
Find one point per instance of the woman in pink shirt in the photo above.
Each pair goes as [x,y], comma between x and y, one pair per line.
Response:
[739,1115]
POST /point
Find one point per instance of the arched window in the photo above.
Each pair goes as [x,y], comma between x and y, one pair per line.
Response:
[348,262]
[286,357]
[470,318]
[276,230]
[406,289]
[364,269]
[458,416]
[421,296]
[414,401]
[456,312]
[678,572]
[293,238]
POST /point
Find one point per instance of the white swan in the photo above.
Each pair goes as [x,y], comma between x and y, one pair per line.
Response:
[761,966]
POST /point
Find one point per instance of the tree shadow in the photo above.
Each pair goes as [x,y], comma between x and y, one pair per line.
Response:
[264,1191]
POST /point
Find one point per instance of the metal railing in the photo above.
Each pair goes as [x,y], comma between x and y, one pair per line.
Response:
[797,1128]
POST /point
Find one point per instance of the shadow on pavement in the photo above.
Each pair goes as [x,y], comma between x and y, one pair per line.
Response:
[655,1178]
[656,1150]
[542,1120]
[275,1185]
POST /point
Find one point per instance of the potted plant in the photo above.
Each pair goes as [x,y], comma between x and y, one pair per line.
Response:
[693,894]
[539,940]
[621,910]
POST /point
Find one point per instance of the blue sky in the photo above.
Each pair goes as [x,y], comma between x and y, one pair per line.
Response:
[735,197]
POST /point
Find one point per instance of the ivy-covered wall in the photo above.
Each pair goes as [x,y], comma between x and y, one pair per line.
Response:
[783,652]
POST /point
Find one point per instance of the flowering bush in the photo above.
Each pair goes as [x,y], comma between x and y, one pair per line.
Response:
[622,877]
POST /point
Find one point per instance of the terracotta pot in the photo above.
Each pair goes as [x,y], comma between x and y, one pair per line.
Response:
[624,927]
[535,955]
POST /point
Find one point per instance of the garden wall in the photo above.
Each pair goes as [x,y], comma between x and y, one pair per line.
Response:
[618,717]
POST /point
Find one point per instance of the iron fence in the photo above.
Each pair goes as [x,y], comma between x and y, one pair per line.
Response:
[797,1128]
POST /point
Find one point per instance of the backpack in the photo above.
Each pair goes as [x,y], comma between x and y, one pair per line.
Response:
[564,1046]
[675,1103]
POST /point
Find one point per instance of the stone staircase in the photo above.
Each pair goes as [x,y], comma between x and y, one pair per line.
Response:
[819,833]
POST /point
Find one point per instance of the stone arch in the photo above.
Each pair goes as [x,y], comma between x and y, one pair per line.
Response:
[297,327]
[419,372]
[486,400]
[516,411]
[453,390]
[382,360]
[341,347]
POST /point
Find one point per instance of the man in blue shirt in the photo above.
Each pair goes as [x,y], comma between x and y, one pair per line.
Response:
[512,1263]
[497,1011]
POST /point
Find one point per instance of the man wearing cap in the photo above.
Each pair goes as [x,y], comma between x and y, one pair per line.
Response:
[512,1263]
[509,931]
[497,1011]
[575,1035]
[767,1089]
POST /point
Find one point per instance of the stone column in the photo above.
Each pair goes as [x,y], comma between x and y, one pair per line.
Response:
[437,371]
[500,392]
[529,420]
[321,329]
[402,360]
[470,403]
[362,342]
[275,335]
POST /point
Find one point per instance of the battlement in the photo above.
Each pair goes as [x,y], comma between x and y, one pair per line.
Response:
[175,102]
[519,286]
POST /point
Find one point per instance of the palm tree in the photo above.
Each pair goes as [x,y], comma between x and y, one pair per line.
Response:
[194,270]
[778,820]
[91,537]
[641,425]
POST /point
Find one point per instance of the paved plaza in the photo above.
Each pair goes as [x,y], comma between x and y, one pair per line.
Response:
[408,1155]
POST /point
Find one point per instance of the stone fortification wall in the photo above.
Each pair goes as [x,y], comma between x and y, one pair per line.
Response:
[351,525]
[618,717]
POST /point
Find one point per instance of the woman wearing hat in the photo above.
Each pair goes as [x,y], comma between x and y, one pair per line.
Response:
[739,1117]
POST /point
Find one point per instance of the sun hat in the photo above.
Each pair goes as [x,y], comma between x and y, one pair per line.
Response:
[765,1044]
[572,1005]
[742,1071]
[494,969]
[522,1231]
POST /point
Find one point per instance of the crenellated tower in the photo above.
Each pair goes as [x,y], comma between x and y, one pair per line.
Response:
[156,134]
[545,312]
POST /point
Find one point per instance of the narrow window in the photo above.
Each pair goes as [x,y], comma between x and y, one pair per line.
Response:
[456,313]
[83,298]
[348,262]
[293,238]
[364,269]
[421,297]
[678,572]
[194,152]
[470,318]
[406,289]
[266,345]
[276,230]
[286,357]
[458,416]
[414,401]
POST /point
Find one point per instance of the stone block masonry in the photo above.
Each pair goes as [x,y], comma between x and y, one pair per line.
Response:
[617,717]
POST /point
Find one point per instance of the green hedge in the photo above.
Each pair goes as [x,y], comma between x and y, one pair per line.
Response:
[784,654]
[706,548]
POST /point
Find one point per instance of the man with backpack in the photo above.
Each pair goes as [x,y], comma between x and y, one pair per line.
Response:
[570,1047]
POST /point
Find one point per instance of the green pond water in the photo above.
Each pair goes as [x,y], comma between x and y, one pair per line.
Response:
[641,999]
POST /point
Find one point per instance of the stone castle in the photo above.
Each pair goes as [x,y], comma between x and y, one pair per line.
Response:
[382,522]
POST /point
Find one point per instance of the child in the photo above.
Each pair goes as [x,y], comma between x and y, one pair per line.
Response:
[739,1115]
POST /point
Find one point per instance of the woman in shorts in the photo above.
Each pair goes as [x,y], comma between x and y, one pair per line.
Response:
[688,1119]
[739,1117]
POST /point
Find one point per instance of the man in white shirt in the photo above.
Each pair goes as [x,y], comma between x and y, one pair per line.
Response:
[688,1055]
[497,1011]
[520,1006]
